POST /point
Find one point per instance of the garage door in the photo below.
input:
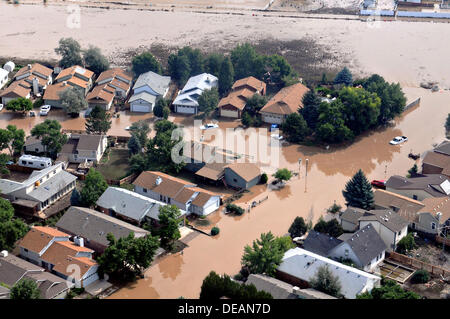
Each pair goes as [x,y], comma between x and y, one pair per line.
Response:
[272,119]
[137,107]
[229,113]
[185,109]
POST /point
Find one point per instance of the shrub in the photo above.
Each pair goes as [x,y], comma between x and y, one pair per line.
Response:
[215,231]
[406,243]
[264,178]
[232,208]
[420,277]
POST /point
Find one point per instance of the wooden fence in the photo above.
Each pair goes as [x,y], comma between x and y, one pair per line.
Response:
[22,169]
[129,179]
[417,264]
[442,240]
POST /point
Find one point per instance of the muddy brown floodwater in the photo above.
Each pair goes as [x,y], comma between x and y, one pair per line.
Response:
[308,196]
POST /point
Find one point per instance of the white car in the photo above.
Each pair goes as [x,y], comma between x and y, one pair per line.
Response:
[398,140]
[277,137]
[209,126]
[127,128]
[44,110]
[1,107]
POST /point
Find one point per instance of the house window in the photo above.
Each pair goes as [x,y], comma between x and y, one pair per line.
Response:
[144,190]
[433,225]
[161,198]
[415,197]
[399,233]
[26,250]
[235,180]
[168,200]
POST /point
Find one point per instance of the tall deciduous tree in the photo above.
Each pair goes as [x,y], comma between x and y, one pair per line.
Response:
[25,289]
[179,68]
[247,62]
[331,228]
[145,62]
[95,60]
[212,63]
[73,100]
[295,128]
[70,51]
[94,186]
[98,121]
[298,227]
[331,126]
[12,139]
[208,101]
[169,219]
[325,281]
[283,174]
[11,229]
[51,136]
[20,104]
[226,76]
[358,192]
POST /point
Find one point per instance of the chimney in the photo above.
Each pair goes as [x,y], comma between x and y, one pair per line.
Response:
[29,66]
[79,241]
[35,85]
[295,290]
[64,83]
[158,180]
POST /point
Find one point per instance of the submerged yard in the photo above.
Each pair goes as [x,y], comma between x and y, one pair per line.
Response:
[114,165]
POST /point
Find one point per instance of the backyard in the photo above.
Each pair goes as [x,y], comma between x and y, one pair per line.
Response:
[114,164]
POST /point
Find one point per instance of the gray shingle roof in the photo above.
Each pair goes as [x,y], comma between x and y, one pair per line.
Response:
[366,244]
[88,142]
[144,96]
[391,220]
[156,82]
[352,214]
[319,243]
[432,183]
[94,226]
[52,186]
[443,148]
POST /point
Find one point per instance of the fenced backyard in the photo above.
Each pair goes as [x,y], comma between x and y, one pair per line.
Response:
[417,264]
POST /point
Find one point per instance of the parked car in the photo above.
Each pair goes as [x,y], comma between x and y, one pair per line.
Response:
[1,107]
[378,183]
[44,110]
[32,114]
[209,126]
[277,137]
[398,140]
[127,128]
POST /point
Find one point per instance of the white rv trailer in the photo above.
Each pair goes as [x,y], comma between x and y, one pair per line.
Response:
[35,161]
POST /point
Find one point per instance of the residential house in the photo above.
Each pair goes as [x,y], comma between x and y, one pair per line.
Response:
[186,101]
[299,266]
[102,95]
[365,248]
[117,79]
[15,90]
[130,206]
[36,195]
[282,290]
[52,250]
[93,227]
[13,269]
[234,103]
[83,147]
[287,101]
[350,218]
[171,190]
[437,161]
[242,175]
[4,293]
[34,145]
[148,88]
[75,76]
[420,186]
[196,155]
[402,205]
[435,213]
[37,76]
[389,225]
[320,243]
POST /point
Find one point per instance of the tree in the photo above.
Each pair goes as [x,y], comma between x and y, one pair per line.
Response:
[298,227]
[246,119]
[179,68]
[140,130]
[413,170]
[310,109]
[138,163]
[25,289]
[51,136]
[159,107]
[134,146]
[325,281]
[264,178]
[246,62]
[358,192]
[166,112]
[447,123]
[344,77]
[389,290]
[265,254]
[98,121]
[73,100]
[393,99]
[406,243]
[11,229]
[215,287]
[128,256]
[226,76]
[361,108]
[12,139]
[331,228]
[4,158]
[195,59]
[70,51]
[281,70]
[212,63]
[95,60]
[208,101]
[94,186]
[20,104]
[255,103]
[295,128]
[145,62]
[420,276]
[331,126]
[75,198]
[283,174]
[169,219]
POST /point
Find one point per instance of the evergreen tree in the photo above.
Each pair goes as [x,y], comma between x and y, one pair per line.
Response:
[295,128]
[208,101]
[358,192]
[94,186]
[166,112]
[298,227]
[226,76]
[344,77]
[310,109]
[413,170]
[246,119]
[179,68]
[25,289]
[145,62]
[98,121]
[134,146]
[75,198]
[158,109]
[326,282]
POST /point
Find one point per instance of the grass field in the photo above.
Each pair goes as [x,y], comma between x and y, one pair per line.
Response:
[115,166]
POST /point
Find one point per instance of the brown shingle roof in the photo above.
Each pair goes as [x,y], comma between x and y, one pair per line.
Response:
[52,91]
[407,207]
[16,89]
[75,69]
[435,205]
[36,67]
[248,171]
[250,81]
[112,73]
[170,186]
[39,237]
[438,159]
[89,142]
[101,92]
[287,101]
[212,171]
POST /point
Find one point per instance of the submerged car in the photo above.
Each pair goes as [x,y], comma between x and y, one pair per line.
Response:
[209,126]
[32,114]
[276,136]
[378,183]
[44,110]
[398,140]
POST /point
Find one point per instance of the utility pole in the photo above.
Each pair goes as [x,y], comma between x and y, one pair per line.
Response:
[299,167]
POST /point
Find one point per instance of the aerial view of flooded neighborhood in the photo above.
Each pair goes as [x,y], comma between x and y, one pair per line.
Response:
[229,149]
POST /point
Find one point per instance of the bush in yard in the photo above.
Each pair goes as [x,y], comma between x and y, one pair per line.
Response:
[283,174]
[232,208]
[215,231]
[420,277]
[264,178]
[25,289]
[406,243]
[335,208]
[413,170]
[298,227]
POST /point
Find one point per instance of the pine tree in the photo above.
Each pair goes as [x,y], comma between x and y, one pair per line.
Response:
[310,110]
[226,76]
[358,192]
[413,170]
[75,198]
[134,146]
[344,77]
[98,122]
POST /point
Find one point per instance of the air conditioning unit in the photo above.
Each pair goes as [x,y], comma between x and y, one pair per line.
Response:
[4,253]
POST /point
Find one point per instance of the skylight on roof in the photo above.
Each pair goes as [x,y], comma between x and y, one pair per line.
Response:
[80,70]
[446,187]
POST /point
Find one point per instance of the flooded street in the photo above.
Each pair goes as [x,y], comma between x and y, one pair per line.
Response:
[181,275]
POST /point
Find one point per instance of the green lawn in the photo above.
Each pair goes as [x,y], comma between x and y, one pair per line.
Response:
[115,165]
